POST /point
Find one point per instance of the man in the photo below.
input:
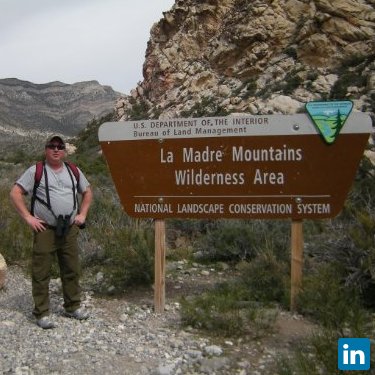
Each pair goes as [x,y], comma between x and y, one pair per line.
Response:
[55,219]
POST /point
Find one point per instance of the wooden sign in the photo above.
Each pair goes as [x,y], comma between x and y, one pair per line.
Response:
[263,167]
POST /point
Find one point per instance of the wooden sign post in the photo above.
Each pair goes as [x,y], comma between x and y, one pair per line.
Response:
[159,284]
[250,167]
[296,261]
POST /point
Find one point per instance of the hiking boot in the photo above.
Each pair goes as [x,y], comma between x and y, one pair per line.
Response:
[45,323]
[79,314]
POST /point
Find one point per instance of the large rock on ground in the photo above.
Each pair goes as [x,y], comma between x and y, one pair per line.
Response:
[3,271]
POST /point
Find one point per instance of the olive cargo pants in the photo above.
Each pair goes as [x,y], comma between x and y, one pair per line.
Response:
[46,244]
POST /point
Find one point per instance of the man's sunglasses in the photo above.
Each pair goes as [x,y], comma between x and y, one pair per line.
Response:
[53,146]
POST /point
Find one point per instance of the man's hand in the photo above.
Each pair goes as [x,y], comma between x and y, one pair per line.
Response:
[35,223]
[17,197]
[79,220]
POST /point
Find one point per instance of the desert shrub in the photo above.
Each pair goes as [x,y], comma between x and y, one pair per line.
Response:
[87,140]
[88,156]
[340,88]
[266,278]
[206,107]
[234,240]
[362,195]
[212,311]
[327,300]
[116,245]
[351,73]
[95,166]
[229,241]
[129,257]
[347,243]
[292,52]
[244,304]
[354,251]
[225,311]
[292,82]
[352,254]
[251,88]
[348,249]
[190,227]
[16,236]
[139,110]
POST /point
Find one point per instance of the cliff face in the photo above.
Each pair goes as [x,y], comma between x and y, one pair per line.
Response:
[28,108]
[257,57]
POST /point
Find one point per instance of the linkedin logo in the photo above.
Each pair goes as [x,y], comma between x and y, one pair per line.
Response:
[353,354]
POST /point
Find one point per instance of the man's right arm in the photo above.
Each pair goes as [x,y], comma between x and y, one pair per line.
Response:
[17,197]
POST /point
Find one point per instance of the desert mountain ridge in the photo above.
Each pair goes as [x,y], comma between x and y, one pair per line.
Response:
[29,110]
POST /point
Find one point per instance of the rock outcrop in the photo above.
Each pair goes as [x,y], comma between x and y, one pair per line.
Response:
[220,56]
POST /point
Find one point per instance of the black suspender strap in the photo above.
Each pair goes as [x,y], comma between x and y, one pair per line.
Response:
[75,197]
[47,187]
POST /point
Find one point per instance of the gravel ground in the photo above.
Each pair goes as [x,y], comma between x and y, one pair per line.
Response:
[119,338]
[125,336]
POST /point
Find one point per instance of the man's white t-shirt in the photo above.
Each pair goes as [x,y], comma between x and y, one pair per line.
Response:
[60,192]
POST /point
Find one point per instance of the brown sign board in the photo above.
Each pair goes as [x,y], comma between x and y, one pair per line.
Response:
[263,167]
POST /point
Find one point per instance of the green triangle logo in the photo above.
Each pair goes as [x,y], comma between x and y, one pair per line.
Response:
[329,117]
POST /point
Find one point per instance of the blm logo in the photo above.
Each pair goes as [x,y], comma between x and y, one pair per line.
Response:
[329,117]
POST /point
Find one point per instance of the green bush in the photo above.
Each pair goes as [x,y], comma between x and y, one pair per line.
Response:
[351,73]
[206,107]
[16,236]
[340,88]
[212,311]
[292,82]
[129,256]
[266,278]
[244,304]
[234,240]
[347,242]
[226,311]
[87,140]
[116,244]
[139,110]
[331,303]
[229,241]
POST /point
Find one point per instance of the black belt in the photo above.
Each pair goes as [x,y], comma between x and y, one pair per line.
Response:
[82,226]
[53,227]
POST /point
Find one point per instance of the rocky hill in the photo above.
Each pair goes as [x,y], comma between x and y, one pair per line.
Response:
[212,57]
[28,109]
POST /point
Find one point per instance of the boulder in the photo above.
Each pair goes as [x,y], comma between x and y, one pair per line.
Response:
[3,271]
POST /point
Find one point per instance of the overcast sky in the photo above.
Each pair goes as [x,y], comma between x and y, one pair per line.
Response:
[77,40]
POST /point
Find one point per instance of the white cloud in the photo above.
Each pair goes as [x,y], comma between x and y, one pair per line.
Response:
[72,41]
